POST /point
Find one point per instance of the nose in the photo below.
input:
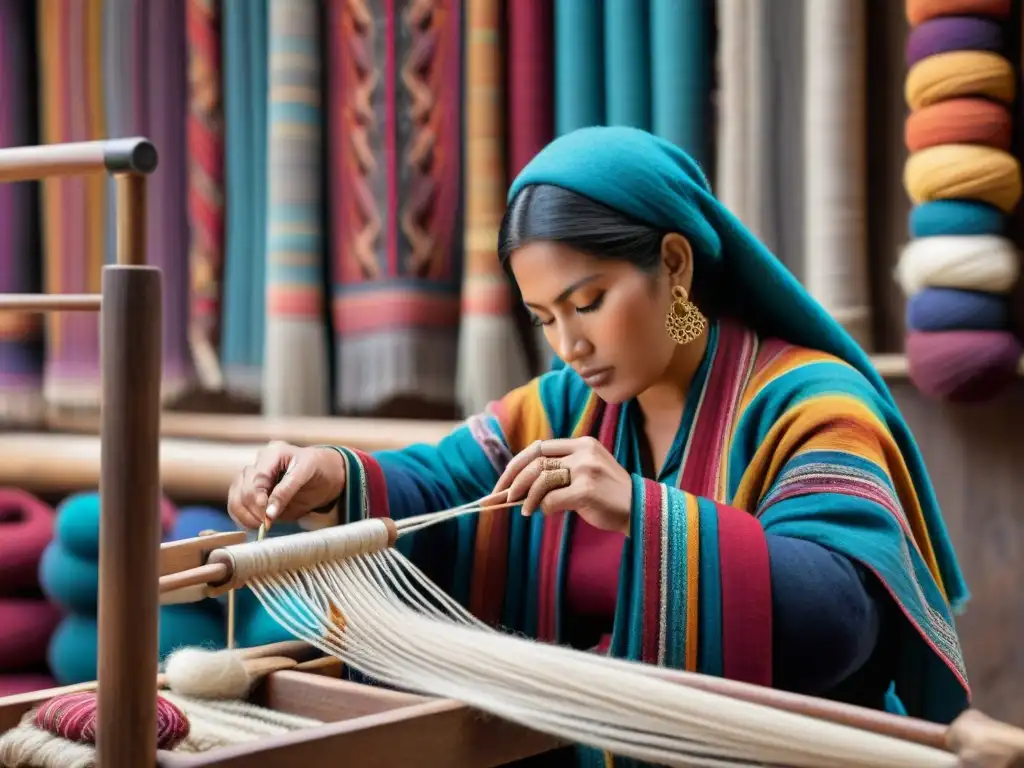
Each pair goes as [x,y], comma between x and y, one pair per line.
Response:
[572,346]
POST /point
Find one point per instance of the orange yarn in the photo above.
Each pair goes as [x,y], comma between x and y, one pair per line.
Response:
[964,171]
[957,74]
[959,121]
[922,10]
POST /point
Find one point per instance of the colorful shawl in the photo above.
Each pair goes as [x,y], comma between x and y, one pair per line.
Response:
[775,439]
[654,181]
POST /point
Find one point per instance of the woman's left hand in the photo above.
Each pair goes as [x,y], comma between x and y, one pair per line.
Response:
[599,490]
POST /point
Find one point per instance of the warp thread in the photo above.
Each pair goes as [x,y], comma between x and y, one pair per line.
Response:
[958,266]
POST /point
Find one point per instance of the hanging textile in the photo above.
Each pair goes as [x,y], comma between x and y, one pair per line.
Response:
[579,65]
[394,103]
[21,371]
[74,208]
[166,117]
[295,378]
[492,360]
[205,188]
[682,33]
[627,63]
[530,122]
[243,308]
[835,236]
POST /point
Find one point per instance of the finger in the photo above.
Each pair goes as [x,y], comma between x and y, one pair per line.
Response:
[517,464]
[251,496]
[525,480]
[560,500]
[549,480]
[296,475]
[237,510]
[562,446]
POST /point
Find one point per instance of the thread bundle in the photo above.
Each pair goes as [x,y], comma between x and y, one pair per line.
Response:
[959,266]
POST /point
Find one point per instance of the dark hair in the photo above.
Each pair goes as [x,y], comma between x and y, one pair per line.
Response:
[542,212]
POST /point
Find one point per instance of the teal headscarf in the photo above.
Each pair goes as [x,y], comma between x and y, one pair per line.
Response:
[657,183]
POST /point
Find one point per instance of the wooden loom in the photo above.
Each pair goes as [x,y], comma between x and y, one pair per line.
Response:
[363,725]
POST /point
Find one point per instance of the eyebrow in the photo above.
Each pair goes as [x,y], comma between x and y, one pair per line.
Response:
[568,291]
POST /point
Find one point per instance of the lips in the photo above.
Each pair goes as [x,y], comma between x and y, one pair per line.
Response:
[595,376]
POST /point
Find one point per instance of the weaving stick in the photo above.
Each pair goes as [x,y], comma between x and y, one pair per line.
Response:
[130,306]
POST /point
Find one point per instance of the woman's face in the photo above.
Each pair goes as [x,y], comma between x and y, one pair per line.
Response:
[604,318]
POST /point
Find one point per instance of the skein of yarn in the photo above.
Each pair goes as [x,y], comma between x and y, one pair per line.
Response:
[959,266]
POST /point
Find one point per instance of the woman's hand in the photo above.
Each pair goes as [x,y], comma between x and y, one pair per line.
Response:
[286,482]
[600,490]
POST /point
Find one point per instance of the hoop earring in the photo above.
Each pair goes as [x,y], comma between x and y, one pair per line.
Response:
[684,322]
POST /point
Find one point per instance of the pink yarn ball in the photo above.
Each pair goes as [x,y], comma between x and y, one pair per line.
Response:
[13,684]
[963,366]
[25,630]
[73,717]
[26,527]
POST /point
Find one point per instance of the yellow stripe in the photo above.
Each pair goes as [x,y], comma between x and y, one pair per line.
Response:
[692,580]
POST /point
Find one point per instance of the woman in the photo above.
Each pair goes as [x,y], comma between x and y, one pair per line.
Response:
[745,498]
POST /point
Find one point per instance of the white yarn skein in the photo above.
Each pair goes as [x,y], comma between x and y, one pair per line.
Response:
[970,262]
[206,674]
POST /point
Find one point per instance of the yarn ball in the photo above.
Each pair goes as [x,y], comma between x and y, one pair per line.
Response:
[191,624]
[71,654]
[73,647]
[950,309]
[78,523]
[919,11]
[207,674]
[953,33]
[191,521]
[970,262]
[959,73]
[964,171]
[963,366]
[959,121]
[72,716]
[13,684]
[70,581]
[956,217]
[26,527]
[25,629]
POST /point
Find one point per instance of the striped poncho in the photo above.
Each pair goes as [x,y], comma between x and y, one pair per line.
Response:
[776,440]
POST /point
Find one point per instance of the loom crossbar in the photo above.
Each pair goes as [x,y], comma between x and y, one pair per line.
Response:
[130,307]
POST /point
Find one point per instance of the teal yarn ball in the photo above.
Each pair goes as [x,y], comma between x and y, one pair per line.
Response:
[73,648]
[956,217]
[74,645]
[77,526]
[68,580]
[191,624]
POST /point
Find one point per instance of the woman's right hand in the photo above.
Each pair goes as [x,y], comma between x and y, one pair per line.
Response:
[286,482]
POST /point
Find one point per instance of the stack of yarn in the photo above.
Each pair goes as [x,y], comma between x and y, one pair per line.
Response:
[959,267]
[27,620]
[69,574]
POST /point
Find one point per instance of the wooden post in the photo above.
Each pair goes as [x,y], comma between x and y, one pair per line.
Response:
[131,352]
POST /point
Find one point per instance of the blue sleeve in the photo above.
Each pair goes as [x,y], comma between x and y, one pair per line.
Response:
[826,623]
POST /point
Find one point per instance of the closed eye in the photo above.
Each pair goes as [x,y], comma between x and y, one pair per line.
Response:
[592,306]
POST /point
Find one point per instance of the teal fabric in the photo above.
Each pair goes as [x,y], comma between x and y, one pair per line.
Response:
[682,66]
[656,182]
[627,65]
[579,84]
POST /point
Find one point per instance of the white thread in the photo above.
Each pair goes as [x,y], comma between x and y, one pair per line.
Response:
[379,614]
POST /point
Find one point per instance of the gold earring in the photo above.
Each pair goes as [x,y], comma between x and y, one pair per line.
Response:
[684,322]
